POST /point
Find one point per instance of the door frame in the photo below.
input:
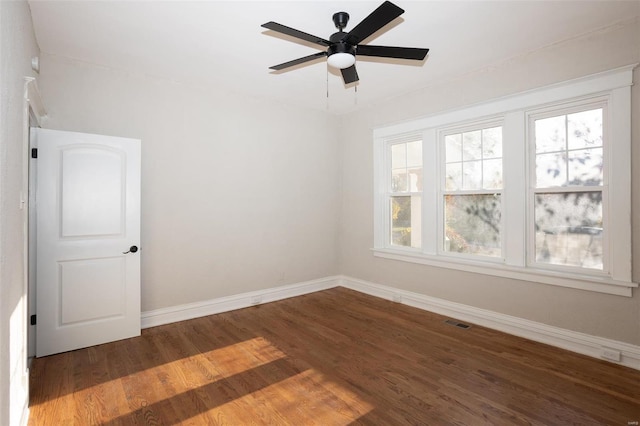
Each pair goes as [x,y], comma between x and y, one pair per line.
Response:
[33,115]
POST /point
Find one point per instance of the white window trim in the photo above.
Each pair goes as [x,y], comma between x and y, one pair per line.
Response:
[512,110]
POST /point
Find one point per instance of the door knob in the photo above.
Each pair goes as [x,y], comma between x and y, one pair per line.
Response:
[132,249]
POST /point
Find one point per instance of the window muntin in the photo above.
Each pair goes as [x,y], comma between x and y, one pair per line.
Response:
[567,198]
[472,197]
[405,194]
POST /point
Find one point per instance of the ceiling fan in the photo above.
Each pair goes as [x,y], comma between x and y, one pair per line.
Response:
[342,47]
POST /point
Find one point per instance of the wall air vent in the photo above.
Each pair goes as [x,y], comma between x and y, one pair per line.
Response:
[457,324]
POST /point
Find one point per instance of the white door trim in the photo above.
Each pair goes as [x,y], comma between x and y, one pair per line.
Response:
[32,109]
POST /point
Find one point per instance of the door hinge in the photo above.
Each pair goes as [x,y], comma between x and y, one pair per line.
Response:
[33,320]
[34,152]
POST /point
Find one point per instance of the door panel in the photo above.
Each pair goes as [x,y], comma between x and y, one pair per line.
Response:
[92,192]
[88,215]
[92,289]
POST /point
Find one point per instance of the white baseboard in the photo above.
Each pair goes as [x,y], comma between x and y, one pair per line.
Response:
[24,419]
[566,339]
[224,304]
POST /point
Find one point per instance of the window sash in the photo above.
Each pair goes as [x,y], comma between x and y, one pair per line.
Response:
[466,254]
[588,236]
[415,231]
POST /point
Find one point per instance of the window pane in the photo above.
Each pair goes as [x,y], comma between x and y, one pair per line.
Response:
[550,134]
[492,142]
[568,229]
[585,129]
[472,145]
[585,167]
[453,146]
[415,179]
[454,177]
[472,224]
[414,154]
[406,221]
[492,174]
[551,170]
[472,175]
[399,180]
[399,156]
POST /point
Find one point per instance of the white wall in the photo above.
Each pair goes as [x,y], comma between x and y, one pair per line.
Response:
[17,46]
[238,194]
[613,317]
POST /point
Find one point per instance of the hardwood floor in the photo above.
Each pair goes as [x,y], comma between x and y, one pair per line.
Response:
[335,357]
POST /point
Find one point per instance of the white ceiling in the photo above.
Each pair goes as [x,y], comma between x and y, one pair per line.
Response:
[221,43]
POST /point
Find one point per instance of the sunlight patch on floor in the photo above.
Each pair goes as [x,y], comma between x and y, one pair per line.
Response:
[186,374]
[244,356]
[307,395]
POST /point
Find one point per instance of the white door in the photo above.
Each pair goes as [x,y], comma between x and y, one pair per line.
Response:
[88,217]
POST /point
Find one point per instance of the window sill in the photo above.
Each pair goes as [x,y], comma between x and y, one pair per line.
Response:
[582,282]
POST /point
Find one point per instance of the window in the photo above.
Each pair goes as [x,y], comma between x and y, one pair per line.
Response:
[535,187]
[568,191]
[472,192]
[405,193]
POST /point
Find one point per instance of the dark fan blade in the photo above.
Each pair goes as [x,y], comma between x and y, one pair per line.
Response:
[274,26]
[349,75]
[298,61]
[380,17]
[392,52]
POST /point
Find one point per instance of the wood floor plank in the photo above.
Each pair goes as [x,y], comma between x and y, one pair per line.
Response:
[335,357]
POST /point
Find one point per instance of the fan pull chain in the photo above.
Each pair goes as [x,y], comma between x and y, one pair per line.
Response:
[327,105]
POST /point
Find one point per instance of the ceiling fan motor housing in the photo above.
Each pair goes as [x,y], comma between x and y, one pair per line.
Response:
[339,46]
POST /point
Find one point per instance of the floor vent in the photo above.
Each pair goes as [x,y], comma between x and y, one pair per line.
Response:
[457,324]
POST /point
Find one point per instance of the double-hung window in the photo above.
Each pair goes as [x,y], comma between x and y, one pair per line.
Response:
[404,193]
[568,187]
[472,191]
[533,187]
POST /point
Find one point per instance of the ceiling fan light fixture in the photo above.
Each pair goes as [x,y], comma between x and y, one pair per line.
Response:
[341,60]
[342,47]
